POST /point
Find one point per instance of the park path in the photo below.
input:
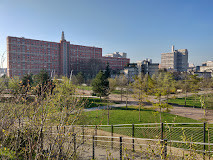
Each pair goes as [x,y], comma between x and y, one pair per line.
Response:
[193,113]
[189,112]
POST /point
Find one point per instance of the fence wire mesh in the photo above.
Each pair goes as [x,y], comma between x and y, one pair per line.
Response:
[129,141]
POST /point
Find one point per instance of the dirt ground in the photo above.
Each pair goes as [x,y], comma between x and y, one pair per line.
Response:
[194,113]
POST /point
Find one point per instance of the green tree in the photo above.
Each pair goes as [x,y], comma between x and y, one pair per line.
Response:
[80,78]
[27,79]
[194,85]
[122,82]
[44,84]
[190,83]
[100,85]
[160,88]
[14,85]
[4,81]
[112,83]
[42,78]
[169,85]
[139,88]
[107,72]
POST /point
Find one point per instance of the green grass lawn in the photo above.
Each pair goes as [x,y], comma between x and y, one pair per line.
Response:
[130,116]
[88,88]
[95,102]
[119,92]
[192,102]
[122,116]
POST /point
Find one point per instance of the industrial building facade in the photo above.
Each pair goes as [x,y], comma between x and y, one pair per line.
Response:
[31,56]
[177,60]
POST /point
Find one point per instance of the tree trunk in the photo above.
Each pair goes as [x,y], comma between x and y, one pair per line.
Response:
[194,101]
[108,115]
[126,98]
[160,108]
[185,97]
[121,93]
[167,97]
[139,113]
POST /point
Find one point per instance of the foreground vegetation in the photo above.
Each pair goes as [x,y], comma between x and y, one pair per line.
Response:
[39,107]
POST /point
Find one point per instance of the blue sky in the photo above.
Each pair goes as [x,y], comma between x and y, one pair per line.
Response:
[142,28]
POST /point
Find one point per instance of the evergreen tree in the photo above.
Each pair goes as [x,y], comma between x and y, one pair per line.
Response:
[27,79]
[107,72]
[100,85]
[42,78]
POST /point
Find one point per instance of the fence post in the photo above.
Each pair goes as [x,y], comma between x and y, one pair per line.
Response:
[74,143]
[162,131]
[120,148]
[73,129]
[112,136]
[41,138]
[93,147]
[83,133]
[204,139]
[107,114]
[133,135]
[96,128]
[164,148]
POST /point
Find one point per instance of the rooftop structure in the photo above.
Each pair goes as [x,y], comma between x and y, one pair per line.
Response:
[177,60]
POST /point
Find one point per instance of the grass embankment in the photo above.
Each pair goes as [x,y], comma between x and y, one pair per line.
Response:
[193,101]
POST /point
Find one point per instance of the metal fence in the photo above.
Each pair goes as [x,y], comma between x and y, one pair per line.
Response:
[134,141]
[186,136]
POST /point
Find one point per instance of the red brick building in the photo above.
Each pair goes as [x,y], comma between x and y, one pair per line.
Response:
[30,56]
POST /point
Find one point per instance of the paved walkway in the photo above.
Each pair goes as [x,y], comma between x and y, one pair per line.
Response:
[104,107]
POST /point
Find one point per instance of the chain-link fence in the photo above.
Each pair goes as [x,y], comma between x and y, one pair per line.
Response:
[130,141]
[196,137]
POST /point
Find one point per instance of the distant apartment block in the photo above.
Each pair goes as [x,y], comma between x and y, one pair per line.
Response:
[147,67]
[59,58]
[177,60]
[205,69]
[117,54]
